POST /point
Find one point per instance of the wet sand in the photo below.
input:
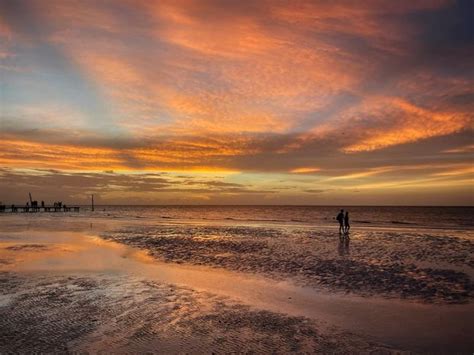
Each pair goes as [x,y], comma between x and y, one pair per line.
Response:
[71,287]
[431,267]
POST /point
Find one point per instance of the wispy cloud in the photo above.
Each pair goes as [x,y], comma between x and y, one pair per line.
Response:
[307,170]
[464,149]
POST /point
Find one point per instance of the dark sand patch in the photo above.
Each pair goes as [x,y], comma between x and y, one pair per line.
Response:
[10,283]
[371,263]
[27,247]
[62,314]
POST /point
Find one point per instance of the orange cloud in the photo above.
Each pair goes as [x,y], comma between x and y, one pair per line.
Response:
[307,170]
[262,80]
[455,172]
[242,38]
[24,154]
[410,124]
[364,174]
[173,155]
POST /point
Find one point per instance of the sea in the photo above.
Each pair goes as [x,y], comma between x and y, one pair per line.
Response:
[388,216]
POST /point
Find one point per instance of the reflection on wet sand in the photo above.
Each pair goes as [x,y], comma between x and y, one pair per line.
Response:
[344,243]
[82,253]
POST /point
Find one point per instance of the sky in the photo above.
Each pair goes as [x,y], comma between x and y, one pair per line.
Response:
[237,102]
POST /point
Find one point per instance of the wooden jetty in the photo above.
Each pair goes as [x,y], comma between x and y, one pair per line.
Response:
[35,207]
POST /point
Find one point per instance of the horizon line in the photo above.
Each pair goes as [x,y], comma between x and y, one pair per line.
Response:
[252,205]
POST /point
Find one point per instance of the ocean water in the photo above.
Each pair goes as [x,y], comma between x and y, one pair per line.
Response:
[400,216]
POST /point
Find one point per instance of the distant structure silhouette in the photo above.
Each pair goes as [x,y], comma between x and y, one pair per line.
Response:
[34,206]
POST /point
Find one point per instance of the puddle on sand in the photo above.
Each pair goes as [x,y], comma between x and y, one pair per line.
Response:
[402,324]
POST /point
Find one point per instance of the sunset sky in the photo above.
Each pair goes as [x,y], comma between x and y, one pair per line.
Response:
[237,102]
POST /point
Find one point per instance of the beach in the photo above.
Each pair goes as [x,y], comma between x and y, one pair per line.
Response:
[236,177]
[144,280]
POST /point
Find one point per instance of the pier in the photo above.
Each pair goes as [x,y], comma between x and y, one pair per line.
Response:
[32,206]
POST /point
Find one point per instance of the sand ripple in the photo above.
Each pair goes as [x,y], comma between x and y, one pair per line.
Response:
[417,266]
[77,314]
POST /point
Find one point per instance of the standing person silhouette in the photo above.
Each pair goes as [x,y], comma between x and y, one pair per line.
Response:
[340,219]
[347,225]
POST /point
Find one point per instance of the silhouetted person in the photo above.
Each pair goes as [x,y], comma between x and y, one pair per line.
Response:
[42,204]
[347,226]
[340,219]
